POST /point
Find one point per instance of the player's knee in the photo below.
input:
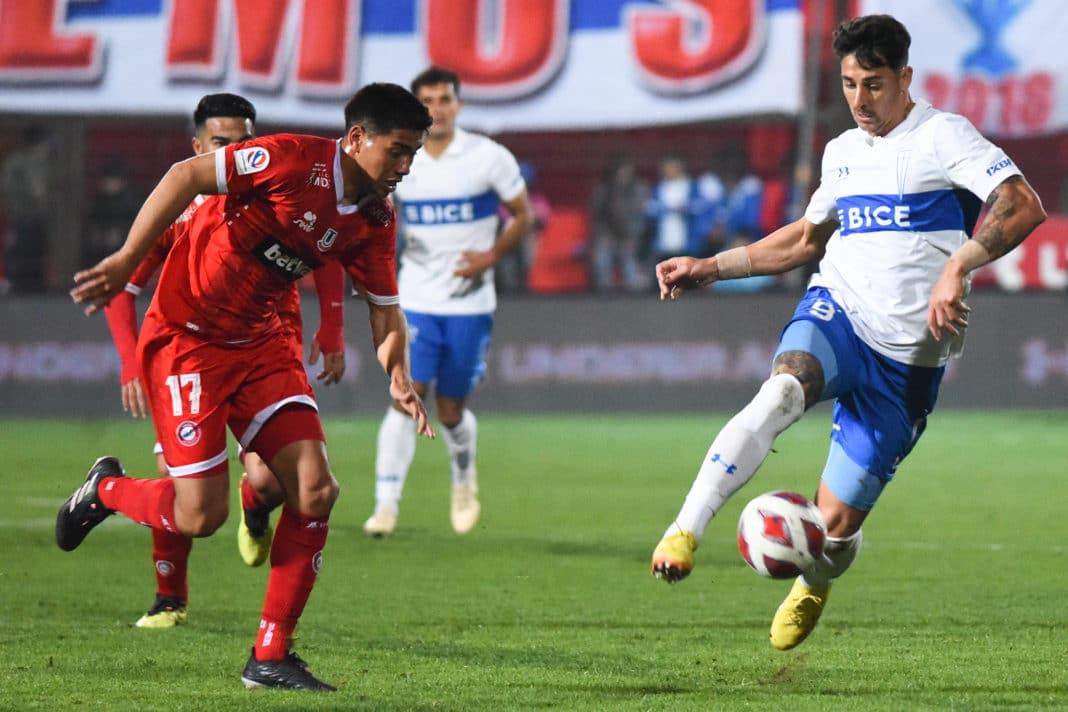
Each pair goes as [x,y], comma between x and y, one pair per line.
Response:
[777,405]
[318,498]
[203,522]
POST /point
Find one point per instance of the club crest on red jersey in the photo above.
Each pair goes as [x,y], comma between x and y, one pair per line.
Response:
[327,240]
[188,433]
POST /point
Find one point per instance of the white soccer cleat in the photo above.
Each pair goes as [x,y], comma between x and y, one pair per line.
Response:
[381,523]
[465,506]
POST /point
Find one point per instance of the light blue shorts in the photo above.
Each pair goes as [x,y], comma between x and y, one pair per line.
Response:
[449,351]
[881,405]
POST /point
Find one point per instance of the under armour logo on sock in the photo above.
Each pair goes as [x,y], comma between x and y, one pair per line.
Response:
[730,469]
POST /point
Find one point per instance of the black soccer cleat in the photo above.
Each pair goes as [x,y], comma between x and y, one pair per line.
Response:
[83,510]
[289,673]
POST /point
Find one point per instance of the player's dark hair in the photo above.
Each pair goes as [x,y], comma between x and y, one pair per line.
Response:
[381,107]
[875,40]
[214,106]
[433,76]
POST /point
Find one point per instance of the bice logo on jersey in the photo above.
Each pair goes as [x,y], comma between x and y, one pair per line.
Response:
[251,160]
[282,262]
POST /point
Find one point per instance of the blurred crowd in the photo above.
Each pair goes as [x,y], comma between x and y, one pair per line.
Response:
[630,213]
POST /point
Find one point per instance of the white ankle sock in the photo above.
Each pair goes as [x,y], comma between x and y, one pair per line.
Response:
[841,552]
[396,449]
[461,442]
[738,451]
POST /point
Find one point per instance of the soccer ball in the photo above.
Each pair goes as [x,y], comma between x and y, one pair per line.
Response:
[781,534]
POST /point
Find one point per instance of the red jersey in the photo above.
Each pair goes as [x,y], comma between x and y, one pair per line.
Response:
[282,218]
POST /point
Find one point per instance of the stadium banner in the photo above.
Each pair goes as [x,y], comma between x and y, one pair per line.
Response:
[525,64]
[1000,63]
[706,353]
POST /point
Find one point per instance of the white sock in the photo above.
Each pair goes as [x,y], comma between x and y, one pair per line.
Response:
[396,449]
[841,552]
[461,442]
[738,451]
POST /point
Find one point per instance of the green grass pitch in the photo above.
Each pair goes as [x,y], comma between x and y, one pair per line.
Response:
[956,602]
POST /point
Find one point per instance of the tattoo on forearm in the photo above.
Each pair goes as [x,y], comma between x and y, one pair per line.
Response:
[993,235]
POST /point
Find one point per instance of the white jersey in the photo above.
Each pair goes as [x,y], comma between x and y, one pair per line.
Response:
[904,203]
[449,205]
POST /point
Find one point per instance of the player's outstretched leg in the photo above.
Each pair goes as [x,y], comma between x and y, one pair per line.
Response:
[83,510]
[732,460]
[799,613]
[254,531]
[393,459]
[461,441]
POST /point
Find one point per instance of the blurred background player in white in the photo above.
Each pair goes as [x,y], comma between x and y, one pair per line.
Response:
[448,207]
[891,219]
[219,120]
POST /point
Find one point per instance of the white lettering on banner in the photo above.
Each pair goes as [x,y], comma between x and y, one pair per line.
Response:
[91,362]
[1040,262]
[57,362]
[634,362]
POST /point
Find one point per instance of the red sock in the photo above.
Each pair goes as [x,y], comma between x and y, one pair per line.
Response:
[148,502]
[296,556]
[170,554]
[249,498]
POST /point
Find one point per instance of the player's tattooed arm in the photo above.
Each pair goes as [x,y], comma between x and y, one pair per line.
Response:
[1015,210]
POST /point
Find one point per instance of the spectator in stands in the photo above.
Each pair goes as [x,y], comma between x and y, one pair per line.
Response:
[115,203]
[672,208]
[512,269]
[617,215]
[739,221]
[24,183]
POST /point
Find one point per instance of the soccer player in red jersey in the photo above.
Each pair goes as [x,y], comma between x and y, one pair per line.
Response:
[213,355]
[219,120]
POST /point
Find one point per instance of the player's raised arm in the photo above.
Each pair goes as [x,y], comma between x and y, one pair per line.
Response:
[790,246]
[183,182]
[1015,211]
[389,329]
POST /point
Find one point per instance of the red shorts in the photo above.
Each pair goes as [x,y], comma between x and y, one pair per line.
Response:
[196,389]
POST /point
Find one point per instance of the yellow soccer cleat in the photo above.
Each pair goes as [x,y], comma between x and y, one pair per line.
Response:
[798,614]
[380,524]
[166,612]
[465,506]
[254,549]
[673,556]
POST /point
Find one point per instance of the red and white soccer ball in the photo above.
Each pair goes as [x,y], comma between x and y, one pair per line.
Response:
[781,534]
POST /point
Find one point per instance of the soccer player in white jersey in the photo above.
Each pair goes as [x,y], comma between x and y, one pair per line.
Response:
[448,207]
[891,219]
